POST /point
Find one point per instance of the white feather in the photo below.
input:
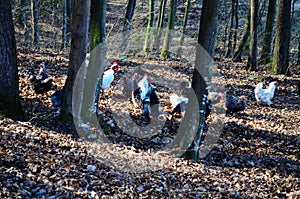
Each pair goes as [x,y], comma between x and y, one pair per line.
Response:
[175,100]
[108,78]
[264,96]
[144,86]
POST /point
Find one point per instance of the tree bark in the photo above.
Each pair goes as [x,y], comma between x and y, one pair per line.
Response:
[298,59]
[171,21]
[236,25]
[150,25]
[232,15]
[65,24]
[35,20]
[21,16]
[202,78]
[246,33]
[26,13]
[283,34]
[70,6]
[10,105]
[97,23]
[80,21]
[268,35]
[183,27]
[160,23]
[129,14]
[252,59]
[97,61]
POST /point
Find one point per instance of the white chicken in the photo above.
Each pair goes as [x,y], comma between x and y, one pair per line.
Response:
[264,96]
[108,76]
[144,86]
[178,103]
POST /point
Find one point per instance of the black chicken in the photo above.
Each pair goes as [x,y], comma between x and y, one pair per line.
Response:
[41,83]
[235,104]
[148,100]
[57,97]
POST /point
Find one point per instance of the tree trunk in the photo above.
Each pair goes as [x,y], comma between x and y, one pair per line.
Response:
[171,21]
[10,106]
[236,25]
[150,25]
[252,59]
[298,59]
[78,52]
[160,23]
[127,26]
[22,17]
[203,64]
[129,14]
[97,61]
[246,33]
[268,35]
[282,41]
[65,24]
[183,27]
[35,20]
[97,23]
[232,15]
[293,10]
[70,6]
[26,13]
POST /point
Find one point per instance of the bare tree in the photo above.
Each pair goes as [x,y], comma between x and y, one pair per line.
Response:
[97,61]
[245,36]
[97,22]
[65,24]
[171,21]
[160,23]
[80,23]
[283,34]
[35,21]
[10,105]
[231,28]
[236,25]
[150,24]
[129,14]
[298,59]
[202,79]
[187,6]
[252,59]
[268,35]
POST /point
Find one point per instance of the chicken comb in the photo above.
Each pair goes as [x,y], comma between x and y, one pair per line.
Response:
[243,97]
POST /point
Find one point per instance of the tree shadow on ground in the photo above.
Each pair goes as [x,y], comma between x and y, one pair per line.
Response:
[244,147]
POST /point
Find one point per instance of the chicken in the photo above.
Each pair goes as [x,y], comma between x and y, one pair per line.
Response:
[264,96]
[131,89]
[57,97]
[178,103]
[215,97]
[148,100]
[108,76]
[212,98]
[235,104]
[41,83]
[148,96]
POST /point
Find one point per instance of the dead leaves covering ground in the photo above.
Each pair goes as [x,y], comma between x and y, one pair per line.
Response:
[257,154]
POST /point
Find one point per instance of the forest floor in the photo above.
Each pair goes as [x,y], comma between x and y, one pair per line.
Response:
[256,155]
